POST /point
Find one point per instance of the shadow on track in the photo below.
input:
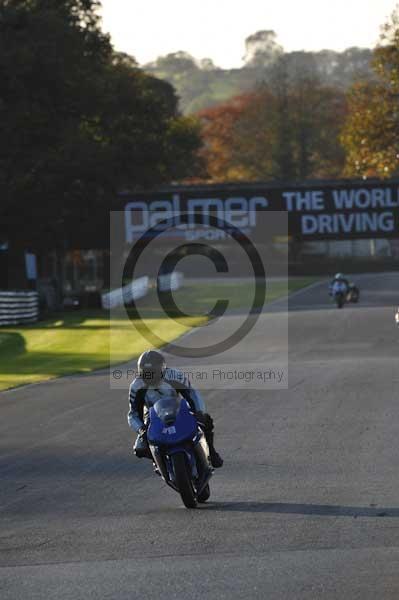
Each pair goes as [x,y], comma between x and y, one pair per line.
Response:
[323,510]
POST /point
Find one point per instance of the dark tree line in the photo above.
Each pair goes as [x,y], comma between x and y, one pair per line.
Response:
[78,122]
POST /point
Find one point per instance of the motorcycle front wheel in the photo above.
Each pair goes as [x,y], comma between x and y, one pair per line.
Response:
[183,480]
[340,302]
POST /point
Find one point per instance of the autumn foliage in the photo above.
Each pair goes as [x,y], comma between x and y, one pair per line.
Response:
[297,128]
[371,132]
[284,132]
[218,133]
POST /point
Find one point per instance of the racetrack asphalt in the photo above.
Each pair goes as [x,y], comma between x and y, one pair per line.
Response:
[306,506]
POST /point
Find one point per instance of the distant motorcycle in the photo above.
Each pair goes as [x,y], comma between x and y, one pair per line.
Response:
[339,293]
[342,293]
[179,449]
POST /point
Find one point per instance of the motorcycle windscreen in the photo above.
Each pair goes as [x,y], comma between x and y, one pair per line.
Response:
[167,432]
[167,408]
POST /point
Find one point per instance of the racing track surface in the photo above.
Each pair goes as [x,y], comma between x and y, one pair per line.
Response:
[307,505]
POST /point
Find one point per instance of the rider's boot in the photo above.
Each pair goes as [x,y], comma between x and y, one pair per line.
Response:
[216,459]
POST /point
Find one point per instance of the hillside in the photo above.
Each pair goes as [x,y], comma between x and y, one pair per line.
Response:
[201,84]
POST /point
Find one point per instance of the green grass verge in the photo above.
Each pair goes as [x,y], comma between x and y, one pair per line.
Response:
[80,342]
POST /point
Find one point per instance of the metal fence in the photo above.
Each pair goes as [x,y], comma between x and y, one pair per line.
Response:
[17,308]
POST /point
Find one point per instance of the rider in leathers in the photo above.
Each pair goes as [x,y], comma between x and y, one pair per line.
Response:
[154,380]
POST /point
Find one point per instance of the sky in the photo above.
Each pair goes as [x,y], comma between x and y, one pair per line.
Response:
[217,29]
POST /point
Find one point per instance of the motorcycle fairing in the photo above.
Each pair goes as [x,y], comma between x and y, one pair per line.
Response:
[184,427]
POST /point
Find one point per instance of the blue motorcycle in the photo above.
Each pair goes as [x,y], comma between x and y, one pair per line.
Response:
[179,449]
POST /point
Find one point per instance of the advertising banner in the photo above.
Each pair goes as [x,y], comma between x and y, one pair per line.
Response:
[320,211]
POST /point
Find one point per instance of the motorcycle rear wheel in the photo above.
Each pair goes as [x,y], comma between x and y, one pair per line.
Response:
[183,480]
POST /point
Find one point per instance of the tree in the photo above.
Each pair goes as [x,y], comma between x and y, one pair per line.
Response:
[78,121]
[286,131]
[317,112]
[51,59]
[371,132]
[218,133]
[262,49]
[175,62]
[283,147]
[254,137]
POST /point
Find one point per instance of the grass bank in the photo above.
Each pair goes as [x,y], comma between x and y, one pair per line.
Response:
[79,342]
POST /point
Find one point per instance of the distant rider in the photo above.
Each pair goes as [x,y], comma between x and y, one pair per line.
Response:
[153,381]
[339,283]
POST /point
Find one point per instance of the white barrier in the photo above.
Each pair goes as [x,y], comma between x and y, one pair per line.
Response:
[17,308]
[170,282]
[133,291]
